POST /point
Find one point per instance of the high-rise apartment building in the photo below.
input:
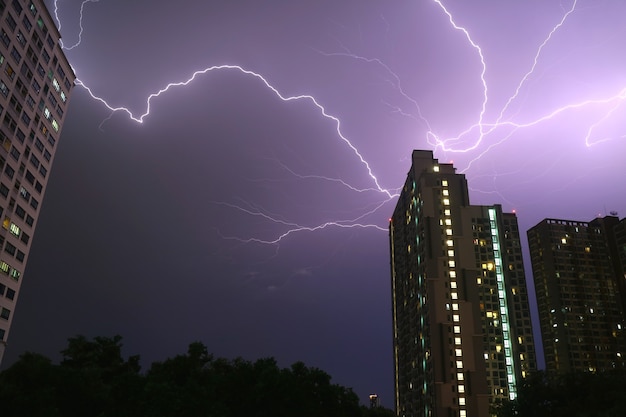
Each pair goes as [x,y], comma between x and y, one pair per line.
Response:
[461,321]
[577,285]
[35,84]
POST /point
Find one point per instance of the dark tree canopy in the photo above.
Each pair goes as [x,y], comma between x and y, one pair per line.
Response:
[93,379]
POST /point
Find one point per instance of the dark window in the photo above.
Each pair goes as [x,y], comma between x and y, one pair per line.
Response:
[34,161]
[30,177]
[38,187]
[12,23]
[17,6]
[10,249]
[39,144]
[47,155]
[10,294]
[34,203]
[20,256]
[5,38]
[26,119]
[15,153]
[5,313]
[24,238]
[29,220]
[9,171]
[20,212]
[16,55]
[20,135]
[43,171]
[4,190]
[30,102]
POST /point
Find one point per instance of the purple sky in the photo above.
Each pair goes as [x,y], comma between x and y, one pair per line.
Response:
[155,231]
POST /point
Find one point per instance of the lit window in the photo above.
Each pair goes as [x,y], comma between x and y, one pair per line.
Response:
[446,212]
[462,401]
[453,284]
[459,365]
[15,229]
[450,252]
[455,307]
[446,201]
[455,318]
[451,264]
[444,183]
[457,329]
[450,242]
[436,168]
[4,267]
[461,390]
[457,340]
[449,232]
[479,280]
[454,295]
[445,192]
[462,413]
[448,222]
[452,274]
[458,352]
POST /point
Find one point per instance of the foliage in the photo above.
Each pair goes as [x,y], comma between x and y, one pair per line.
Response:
[93,379]
[575,394]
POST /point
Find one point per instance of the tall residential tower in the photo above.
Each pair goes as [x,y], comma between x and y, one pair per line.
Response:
[577,277]
[35,84]
[461,320]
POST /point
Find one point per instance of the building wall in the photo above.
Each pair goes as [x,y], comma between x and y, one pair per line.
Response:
[580,313]
[35,86]
[443,346]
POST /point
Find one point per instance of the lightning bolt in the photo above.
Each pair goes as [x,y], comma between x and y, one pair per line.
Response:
[486,128]
[292,228]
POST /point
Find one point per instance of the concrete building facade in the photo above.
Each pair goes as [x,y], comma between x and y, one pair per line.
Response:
[36,81]
[461,321]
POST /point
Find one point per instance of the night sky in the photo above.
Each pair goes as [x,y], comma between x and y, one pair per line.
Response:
[253,224]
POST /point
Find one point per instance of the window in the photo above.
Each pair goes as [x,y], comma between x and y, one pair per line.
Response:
[4,90]
[25,238]
[4,190]
[21,38]
[16,55]
[15,274]
[20,212]
[10,249]
[24,193]
[29,220]
[17,6]
[9,171]
[30,177]
[5,267]
[26,119]
[34,160]
[20,256]
[5,38]
[12,23]
[10,71]
[34,203]
[14,229]
[27,23]
[43,171]
[5,313]
[10,294]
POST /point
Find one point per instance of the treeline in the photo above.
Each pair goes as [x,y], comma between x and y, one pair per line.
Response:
[93,379]
[575,394]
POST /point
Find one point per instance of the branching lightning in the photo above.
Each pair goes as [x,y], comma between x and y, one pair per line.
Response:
[479,137]
[292,227]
